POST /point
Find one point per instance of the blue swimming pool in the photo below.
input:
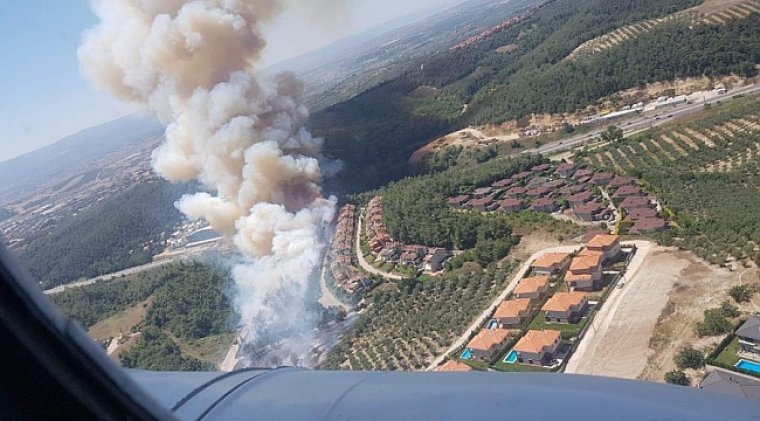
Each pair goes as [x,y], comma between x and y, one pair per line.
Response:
[493,324]
[749,366]
[511,357]
[467,354]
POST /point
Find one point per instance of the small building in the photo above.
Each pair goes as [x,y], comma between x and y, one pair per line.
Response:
[565,307]
[620,182]
[435,260]
[749,335]
[538,192]
[502,183]
[458,201]
[522,175]
[585,272]
[511,205]
[580,198]
[411,256]
[643,213]
[649,226]
[482,192]
[544,205]
[607,245]
[485,204]
[627,191]
[488,344]
[516,192]
[512,314]
[565,170]
[538,169]
[588,212]
[533,288]
[551,264]
[602,178]
[556,184]
[635,202]
[453,366]
[729,383]
[538,347]
[571,189]
[583,173]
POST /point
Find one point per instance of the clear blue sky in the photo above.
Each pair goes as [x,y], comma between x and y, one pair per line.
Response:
[43,97]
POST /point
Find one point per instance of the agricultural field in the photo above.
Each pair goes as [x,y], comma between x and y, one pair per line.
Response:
[711,12]
[706,173]
[408,325]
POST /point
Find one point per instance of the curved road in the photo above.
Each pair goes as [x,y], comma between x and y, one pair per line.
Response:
[363,263]
[503,296]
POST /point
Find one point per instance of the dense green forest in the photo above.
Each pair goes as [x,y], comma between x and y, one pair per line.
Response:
[95,303]
[155,351]
[707,174]
[115,235]
[376,132]
[189,302]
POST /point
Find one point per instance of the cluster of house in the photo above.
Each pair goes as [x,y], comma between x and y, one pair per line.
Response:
[384,248]
[346,276]
[582,273]
[546,188]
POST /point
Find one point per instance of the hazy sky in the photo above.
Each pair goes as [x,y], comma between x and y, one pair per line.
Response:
[43,96]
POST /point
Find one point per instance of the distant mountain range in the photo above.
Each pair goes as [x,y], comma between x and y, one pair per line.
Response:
[77,153]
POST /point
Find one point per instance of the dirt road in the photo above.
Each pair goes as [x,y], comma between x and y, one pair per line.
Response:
[617,343]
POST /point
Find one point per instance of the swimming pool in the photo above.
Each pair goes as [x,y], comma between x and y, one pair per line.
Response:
[511,357]
[467,354]
[493,324]
[749,366]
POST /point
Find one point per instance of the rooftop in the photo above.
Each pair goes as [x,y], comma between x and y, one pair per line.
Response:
[487,338]
[564,301]
[454,366]
[632,201]
[627,191]
[549,260]
[585,262]
[536,340]
[750,328]
[512,308]
[727,383]
[604,240]
[531,285]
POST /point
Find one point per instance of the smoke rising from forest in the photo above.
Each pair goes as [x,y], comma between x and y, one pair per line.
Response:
[193,63]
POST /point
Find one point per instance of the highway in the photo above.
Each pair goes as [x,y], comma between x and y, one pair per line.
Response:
[643,121]
[110,276]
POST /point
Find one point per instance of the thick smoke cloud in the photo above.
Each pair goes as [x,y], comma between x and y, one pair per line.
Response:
[193,63]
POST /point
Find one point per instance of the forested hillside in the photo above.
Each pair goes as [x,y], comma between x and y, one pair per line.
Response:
[188,303]
[117,234]
[375,133]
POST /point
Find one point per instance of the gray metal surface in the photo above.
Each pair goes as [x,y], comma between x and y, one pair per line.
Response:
[296,394]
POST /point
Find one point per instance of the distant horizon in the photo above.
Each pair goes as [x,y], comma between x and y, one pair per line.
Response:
[42,107]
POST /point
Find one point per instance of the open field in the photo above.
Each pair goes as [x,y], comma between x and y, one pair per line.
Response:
[654,316]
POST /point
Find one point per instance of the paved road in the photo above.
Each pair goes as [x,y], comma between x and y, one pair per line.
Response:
[363,263]
[503,296]
[644,121]
[103,278]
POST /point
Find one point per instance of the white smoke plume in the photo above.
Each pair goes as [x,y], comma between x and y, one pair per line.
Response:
[193,63]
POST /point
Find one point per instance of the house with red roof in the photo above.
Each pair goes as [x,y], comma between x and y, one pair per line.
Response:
[538,347]
[511,205]
[627,191]
[635,202]
[649,226]
[565,307]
